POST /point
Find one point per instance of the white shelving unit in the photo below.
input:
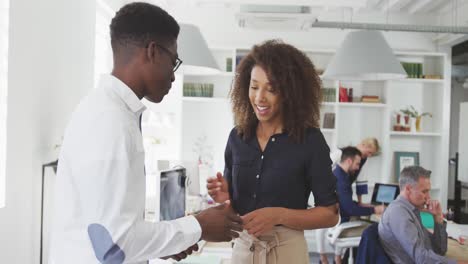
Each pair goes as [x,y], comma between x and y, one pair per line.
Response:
[196,118]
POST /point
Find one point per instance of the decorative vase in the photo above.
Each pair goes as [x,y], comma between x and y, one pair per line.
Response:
[418,124]
[413,127]
[407,126]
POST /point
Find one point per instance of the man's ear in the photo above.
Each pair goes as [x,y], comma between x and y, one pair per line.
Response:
[408,188]
[150,51]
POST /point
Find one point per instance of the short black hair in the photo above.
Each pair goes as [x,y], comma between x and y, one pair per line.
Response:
[349,152]
[139,23]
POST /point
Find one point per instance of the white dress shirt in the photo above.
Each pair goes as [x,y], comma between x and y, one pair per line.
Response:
[100,187]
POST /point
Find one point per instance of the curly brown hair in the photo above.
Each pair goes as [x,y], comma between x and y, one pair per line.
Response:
[291,73]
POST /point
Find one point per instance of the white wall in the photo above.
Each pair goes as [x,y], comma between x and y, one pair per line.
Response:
[51,56]
[4,8]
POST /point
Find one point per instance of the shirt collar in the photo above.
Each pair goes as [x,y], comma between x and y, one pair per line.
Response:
[407,204]
[253,140]
[341,171]
[124,92]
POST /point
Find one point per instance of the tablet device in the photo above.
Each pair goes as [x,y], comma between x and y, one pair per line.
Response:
[384,193]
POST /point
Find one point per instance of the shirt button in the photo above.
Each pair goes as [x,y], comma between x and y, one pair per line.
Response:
[273,139]
[262,156]
[252,248]
[254,196]
[258,176]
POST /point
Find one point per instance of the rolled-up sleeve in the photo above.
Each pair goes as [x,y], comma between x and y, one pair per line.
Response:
[319,173]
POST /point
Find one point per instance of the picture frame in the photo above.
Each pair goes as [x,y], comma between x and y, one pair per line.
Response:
[404,159]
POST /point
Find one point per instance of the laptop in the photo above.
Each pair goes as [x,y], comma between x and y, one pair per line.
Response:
[172,194]
[384,193]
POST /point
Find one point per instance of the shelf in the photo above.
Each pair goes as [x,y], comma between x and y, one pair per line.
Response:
[327,130]
[205,99]
[328,103]
[227,74]
[376,105]
[414,134]
[416,80]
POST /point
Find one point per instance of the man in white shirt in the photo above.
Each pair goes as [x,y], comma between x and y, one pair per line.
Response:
[100,186]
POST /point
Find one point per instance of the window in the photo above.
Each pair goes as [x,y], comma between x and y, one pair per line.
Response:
[4,7]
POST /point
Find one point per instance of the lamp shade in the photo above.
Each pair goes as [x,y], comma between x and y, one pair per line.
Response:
[364,55]
[193,51]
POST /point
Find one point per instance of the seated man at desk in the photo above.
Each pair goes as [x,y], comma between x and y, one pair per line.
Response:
[349,164]
[401,232]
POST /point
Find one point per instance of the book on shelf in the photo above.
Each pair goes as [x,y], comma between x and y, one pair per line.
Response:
[329,120]
[329,94]
[198,89]
[433,77]
[413,70]
[370,99]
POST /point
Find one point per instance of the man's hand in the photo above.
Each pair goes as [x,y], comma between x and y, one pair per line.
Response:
[218,188]
[219,223]
[379,209]
[263,220]
[433,207]
[182,255]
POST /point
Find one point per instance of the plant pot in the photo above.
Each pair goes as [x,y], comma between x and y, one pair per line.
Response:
[418,123]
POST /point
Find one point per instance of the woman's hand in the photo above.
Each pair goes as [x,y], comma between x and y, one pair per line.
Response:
[218,188]
[263,220]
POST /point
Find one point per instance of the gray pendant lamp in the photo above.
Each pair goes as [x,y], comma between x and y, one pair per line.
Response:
[364,55]
[193,51]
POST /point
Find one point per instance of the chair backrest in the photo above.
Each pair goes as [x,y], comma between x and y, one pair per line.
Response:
[370,250]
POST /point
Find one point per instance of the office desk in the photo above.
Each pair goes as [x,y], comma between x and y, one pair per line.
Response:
[457,251]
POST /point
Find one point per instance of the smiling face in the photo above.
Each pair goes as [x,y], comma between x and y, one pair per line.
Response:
[366,150]
[264,98]
[159,74]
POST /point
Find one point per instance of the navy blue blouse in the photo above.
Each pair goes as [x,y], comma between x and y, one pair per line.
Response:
[283,175]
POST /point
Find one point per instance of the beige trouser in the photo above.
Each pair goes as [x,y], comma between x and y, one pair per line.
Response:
[280,245]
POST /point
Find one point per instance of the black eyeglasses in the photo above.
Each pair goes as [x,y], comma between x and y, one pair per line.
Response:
[176,62]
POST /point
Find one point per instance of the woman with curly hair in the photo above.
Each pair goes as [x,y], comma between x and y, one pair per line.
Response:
[276,156]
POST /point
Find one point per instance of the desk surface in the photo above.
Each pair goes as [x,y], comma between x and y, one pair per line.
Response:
[457,251]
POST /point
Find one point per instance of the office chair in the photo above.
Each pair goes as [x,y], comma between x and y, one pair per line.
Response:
[370,250]
[341,236]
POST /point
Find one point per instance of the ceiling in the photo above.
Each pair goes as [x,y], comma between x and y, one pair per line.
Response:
[400,6]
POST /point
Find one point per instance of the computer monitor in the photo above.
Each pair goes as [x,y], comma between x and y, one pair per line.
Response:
[384,193]
[172,194]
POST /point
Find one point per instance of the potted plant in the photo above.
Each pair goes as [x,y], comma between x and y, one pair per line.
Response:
[412,112]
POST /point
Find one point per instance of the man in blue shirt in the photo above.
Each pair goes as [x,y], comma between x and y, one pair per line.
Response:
[348,165]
